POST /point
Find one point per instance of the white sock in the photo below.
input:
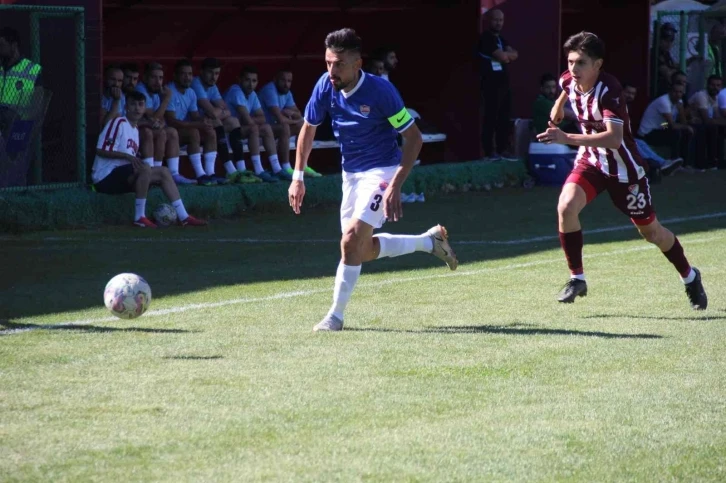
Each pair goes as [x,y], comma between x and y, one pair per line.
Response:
[691,276]
[257,163]
[140,208]
[275,163]
[397,245]
[158,164]
[579,276]
[196,160]
[181,212]
[345,279]
[173,165]
[209,160]
[229,167]
[286,166]
[241,165]
[149,161]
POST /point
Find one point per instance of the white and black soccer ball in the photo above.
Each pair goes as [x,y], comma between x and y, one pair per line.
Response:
[127,296]
[164,215]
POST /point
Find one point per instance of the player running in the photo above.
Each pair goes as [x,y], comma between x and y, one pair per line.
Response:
[607,160]
[367,113]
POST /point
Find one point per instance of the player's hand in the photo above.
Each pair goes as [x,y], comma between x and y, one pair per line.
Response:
[166,91]
[138,165]
[552,135]
[557,114]
[296,193]
[115,93]
[392,207]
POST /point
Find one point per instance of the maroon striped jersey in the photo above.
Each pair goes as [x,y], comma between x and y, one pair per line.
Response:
[601,104]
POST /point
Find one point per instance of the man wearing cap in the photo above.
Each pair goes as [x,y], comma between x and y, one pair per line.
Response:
[666,65]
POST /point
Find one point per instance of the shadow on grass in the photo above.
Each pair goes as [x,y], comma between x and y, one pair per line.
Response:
[518,329]
[704,317]
[193,358]
[7,327]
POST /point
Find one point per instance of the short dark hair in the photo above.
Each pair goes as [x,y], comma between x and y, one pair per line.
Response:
[248,69]
[380,53]
[628,84]
[135,96]
[111,67]
[182,63]
[151,66]
[712,77]
[587,43]
[344,40]
[281,71]
[546,78]
[130,66]
[10,35]
[678,73]
[211,63]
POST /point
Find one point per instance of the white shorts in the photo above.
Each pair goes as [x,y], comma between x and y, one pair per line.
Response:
[363,196]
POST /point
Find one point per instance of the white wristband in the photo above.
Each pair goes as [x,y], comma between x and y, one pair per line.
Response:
[298,175]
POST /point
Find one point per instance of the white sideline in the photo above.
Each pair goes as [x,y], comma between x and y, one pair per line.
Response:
[521,241]
[301,293]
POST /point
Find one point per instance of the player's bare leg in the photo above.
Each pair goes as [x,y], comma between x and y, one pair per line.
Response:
[359,245]
[572,201]
[147,145]
[191,138]
[171,153]
[668,243]
[162,176]
[281,160]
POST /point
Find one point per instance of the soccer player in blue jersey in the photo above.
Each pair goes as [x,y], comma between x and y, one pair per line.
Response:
[367,113]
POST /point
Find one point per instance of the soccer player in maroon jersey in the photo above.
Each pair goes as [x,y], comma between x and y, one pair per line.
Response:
[607,160]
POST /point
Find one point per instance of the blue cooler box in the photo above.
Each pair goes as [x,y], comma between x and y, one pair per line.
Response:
[550,164]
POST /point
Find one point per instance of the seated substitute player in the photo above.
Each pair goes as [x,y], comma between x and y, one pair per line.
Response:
[182,114]
[608,160]
[211,104]
[282,113]
[367,113]
[116,168]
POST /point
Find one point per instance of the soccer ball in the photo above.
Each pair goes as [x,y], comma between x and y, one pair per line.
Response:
[127,296]
[165,215]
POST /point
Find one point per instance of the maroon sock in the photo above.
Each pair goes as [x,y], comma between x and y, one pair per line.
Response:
[676,256]
[572,245]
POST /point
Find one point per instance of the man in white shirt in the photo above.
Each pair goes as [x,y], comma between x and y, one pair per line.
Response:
[117,169]
[664,124]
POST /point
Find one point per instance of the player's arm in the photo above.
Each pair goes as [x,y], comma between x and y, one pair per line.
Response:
[195,123]
[557,114]
[208,108]
[612,138]
[115,155]
[219,103]
[412,142]
[292,112]
[278,114]
[305,138]
[166,95]
[673,124]
[258,117]
[244,116]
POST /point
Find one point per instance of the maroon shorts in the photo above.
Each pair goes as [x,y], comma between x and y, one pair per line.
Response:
[632,199]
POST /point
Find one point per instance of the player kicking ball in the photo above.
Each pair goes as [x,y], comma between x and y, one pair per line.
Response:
[367,113]
[607,160]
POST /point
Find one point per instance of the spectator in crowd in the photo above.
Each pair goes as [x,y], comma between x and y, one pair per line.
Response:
[387,55]
[548,94]
[158,98]
[375,66]
[113,102]
[710,125]
[282,114]
[131,77]
[657,163]
[116,168]
[666,65]
[211,104]
[664,123]
[495,55]
[182,114]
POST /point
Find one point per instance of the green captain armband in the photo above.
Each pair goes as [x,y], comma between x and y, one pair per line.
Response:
[400,118]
